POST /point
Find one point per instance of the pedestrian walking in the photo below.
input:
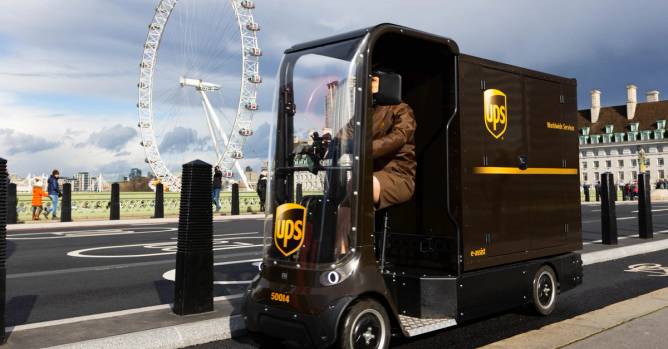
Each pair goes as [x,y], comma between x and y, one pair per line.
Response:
[37,194]
[262,188]
[53,189]
[217,186]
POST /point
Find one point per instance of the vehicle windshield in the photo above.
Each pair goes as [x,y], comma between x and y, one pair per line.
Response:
[311,197]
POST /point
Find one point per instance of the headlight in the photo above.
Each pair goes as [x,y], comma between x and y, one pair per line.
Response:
[336,276]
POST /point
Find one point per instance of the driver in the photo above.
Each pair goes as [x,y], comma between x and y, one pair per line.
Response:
[393,150]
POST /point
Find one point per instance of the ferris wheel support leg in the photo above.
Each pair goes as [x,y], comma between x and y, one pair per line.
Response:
[242,174]
[211,120]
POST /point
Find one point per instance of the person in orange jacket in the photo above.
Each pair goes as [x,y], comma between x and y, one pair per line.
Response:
[37,194]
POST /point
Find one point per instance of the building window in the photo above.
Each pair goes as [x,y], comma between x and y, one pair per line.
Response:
[634,162]
[584,176]
[620,163]
[597,176]
[595,163]
[634,126]
[634,174]
[608,163]
[662,174]
[660,161]
[584,165]
[621,175]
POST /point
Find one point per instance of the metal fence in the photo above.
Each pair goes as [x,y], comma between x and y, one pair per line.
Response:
[133,204]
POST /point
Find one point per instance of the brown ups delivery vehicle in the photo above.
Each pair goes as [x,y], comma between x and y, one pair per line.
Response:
[492,224]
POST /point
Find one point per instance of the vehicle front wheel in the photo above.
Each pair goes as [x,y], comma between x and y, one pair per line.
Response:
[544,290]
[365,325]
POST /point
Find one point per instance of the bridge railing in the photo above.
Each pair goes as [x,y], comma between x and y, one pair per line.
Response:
[133,204]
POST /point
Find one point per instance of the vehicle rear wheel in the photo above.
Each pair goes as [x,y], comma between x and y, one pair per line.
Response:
[365,325]
[544,290]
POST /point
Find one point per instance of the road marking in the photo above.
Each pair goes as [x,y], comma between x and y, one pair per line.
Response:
[167,248]
[84,233]
[653,269]
[106,315]
[119,266]
[618,218]
[171,274]
[660,210]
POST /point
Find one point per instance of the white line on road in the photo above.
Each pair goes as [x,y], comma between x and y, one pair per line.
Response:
[660,210]
[84,233]
[171,274]
[119,266]
[167,248]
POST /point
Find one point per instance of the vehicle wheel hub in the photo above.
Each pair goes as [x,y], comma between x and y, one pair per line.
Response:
[546,288]
[366,332]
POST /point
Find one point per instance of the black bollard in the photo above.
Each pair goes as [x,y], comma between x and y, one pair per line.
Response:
[608,212]
[586,192]
[299,194]
[12,203]
[115,208]
[646,228]
[193,291]
[159,211]
[235,200]
[4,181]
[66,203]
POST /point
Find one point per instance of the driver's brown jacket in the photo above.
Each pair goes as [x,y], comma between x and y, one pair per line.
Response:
[394,153]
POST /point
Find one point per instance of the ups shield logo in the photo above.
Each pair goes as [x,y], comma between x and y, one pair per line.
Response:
[289,228]
[496,112]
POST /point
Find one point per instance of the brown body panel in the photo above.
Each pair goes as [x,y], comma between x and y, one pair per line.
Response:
[509,214]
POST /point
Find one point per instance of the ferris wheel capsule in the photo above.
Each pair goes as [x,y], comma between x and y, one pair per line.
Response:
[246,132]
[237,155]
[251,106]
[256,78]
[228,174]
[252,26]
[247,4]
[255,51]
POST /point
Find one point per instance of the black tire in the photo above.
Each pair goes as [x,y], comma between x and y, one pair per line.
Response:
[544,290]
[365,324]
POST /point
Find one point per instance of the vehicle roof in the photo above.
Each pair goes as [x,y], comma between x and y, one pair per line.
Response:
[378,29]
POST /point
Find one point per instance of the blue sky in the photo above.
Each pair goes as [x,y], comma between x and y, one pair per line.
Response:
[68,91]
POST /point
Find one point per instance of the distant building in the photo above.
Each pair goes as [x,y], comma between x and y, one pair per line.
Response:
[83,181]
[134,173]
[611,137]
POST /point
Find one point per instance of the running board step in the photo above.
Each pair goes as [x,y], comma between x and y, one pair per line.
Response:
[413,326]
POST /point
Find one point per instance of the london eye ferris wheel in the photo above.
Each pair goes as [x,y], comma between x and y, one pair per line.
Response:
[198,81]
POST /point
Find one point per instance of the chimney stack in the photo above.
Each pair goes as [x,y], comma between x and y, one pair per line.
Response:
[595,105]
[652,96]
[631,101]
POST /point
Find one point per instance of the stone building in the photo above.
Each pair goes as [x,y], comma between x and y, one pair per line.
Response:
[612,137]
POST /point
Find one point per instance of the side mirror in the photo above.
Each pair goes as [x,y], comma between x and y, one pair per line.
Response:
[389,89]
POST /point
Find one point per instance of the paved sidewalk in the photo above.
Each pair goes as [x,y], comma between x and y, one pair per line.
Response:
[634,323]
[647,332]
[150,327]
